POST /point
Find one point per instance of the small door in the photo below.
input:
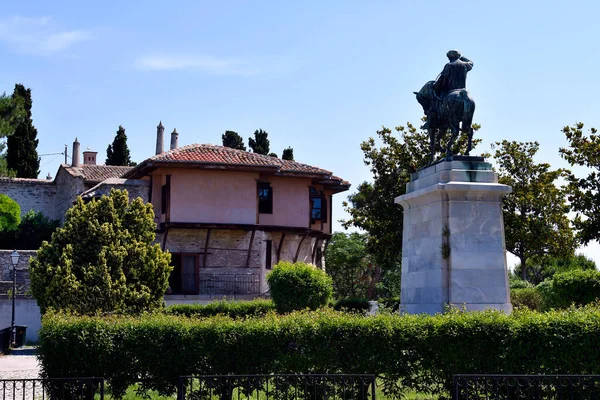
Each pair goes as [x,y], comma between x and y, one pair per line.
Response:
[189,274]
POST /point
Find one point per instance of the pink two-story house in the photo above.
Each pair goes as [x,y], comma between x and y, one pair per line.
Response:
[228,216]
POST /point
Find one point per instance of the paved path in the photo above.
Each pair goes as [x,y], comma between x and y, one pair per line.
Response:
[18,366]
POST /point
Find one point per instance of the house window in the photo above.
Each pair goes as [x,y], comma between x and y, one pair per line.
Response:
[184,277]
[163,199]
[268,255]
[318,206]
[265,198]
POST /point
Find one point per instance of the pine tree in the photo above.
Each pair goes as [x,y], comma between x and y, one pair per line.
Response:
[234,140]
[288,154]
[117,153]
[21,154]
[260,143]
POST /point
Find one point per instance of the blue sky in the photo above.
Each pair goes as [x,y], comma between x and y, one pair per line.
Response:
[318,76]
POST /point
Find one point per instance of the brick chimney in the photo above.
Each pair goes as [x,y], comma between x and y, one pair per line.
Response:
[174,139]
[160,138]
[89,157]
[75,160]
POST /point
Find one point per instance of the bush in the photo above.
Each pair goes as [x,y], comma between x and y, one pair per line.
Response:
[34,228]
[527,297]
[409,352]
[102,260]
[578,286]
[389,303]
[232,309]
[515,282]
[298,286]
[360,306]
[10,213]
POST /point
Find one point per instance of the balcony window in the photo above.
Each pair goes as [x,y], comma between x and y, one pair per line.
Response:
[318,206]
[265,198]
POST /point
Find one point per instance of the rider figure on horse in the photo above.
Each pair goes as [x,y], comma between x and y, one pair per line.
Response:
[454,76]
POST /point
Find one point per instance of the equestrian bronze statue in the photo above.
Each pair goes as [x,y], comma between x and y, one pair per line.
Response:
[447,105]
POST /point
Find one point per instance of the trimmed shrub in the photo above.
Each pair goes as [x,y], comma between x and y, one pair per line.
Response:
[577,287]
[527,297]
[232,309]
[355,305]
[298,286]
[517,283]
[410,352]
[390,303]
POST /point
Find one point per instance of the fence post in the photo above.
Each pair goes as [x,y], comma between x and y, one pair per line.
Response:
[180,389]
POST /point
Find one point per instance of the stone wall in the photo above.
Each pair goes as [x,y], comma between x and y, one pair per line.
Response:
[31,194]
[22,271]
[70,187]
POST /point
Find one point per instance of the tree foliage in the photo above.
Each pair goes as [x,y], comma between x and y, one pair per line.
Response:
[347,262]
[288,154]
[541,268]
[372,207]
[584,193]
[117,153]
[102,259]
[260,144]
[10,213]
[21,154]
[535,213]
[34,228]
[234,140]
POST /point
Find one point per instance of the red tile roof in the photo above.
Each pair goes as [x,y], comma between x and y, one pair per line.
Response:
[97,173]
[219,155]
[216,156]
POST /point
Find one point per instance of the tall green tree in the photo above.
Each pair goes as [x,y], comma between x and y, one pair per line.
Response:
[21,154]
[117,153]
[545,267]
[348,264]
[103,259]
[10,213]
[260,144]
[372,207]
[535,213]
[11,112]
[584,193]
[288,154]
[234,140]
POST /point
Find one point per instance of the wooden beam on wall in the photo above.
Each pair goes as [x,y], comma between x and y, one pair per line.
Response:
[250,249]
[298,249]
[206,247]
[280,246]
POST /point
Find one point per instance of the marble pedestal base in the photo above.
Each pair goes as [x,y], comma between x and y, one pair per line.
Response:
[453,249]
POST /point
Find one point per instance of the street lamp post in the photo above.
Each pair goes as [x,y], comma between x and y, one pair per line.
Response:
[14,258]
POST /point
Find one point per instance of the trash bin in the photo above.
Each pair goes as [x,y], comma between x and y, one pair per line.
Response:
[21,335]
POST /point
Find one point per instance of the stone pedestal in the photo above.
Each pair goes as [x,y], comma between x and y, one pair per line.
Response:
[453,249]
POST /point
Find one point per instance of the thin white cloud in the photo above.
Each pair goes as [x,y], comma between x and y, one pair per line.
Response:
[38,35]
[211,65]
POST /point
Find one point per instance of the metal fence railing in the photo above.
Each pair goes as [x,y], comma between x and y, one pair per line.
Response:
[229,284]
[284,387]
[524,387]
[52,389]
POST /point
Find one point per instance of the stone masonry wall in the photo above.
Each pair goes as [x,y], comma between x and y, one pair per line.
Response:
[70,188]
[31,194]
[6,269]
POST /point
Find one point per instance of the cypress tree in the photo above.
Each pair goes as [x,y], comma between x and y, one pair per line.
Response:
[260,143]
[288,154]
[234,140]
[117,153]
[21,153]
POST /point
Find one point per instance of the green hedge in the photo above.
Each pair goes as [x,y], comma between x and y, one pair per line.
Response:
[351,304]
[233,309]
[577,287]
[527,297]
[410,352]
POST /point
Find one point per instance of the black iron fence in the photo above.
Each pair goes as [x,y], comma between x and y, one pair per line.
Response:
[283,387]
[229,284]
[538,387]
[54,389]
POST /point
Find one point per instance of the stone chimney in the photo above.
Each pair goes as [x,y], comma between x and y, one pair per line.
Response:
[160,138]
[89,157]
[174,139]
[75,157]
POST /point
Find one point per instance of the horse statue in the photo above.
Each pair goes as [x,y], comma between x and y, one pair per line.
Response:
[453,112]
